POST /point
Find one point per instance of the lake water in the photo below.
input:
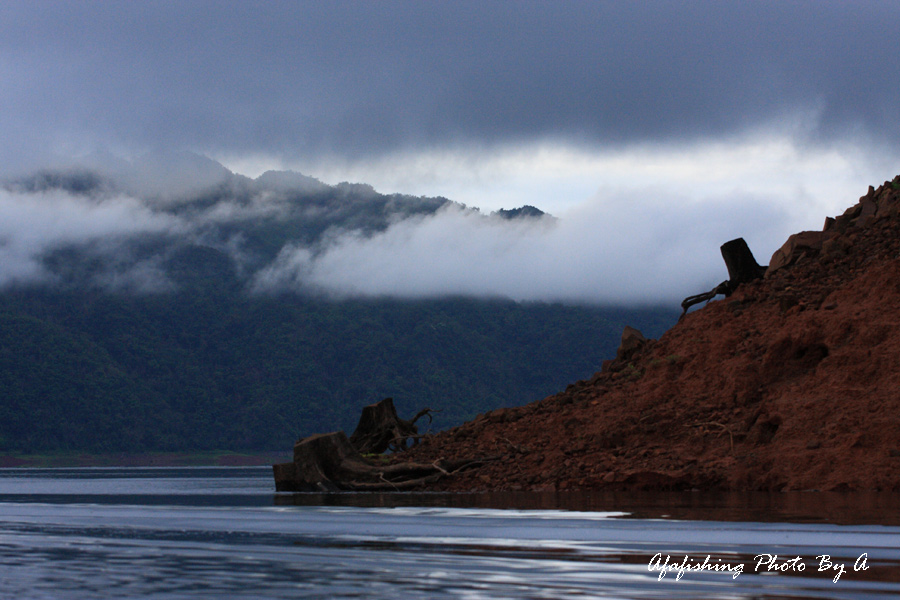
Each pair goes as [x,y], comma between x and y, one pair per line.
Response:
[224,533]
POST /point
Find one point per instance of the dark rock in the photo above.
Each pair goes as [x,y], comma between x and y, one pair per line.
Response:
[632,341]
[805,243]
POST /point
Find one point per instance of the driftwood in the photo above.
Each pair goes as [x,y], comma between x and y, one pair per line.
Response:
[742,268]
[333,462]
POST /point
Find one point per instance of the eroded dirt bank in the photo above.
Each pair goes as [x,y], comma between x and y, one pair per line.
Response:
[792,383]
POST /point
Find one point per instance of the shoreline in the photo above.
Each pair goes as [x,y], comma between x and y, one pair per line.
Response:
[142,459]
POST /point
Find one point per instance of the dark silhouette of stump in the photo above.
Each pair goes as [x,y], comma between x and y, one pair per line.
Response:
[331,462]
[742,268]
[380,429]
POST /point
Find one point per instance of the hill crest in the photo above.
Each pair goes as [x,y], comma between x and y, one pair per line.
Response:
[789,384]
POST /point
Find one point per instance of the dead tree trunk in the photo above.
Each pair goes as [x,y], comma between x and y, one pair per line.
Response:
[380,429]
[742,268]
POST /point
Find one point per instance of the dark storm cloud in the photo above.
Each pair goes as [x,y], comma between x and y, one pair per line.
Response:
[169,221]
[298,79]
[654,130]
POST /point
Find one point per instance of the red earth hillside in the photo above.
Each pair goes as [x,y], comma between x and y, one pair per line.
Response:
[791,383]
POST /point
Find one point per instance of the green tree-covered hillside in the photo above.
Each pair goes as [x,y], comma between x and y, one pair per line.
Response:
[103,372]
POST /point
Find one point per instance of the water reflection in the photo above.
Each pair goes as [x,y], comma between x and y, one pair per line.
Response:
[224,533]
[253,486]
[839,508]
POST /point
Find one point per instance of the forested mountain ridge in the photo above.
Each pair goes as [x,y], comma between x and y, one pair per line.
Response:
[105,372]
[138,320]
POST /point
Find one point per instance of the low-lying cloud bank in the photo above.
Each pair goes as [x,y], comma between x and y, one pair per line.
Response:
[660,249]
[286,232]
[33,225]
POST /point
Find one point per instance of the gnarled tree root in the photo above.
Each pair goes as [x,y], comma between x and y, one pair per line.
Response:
[742,268]
[329,463]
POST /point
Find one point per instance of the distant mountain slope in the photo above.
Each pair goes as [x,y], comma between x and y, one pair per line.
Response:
[136,320]
[160,206]
[142,226]
[104,372]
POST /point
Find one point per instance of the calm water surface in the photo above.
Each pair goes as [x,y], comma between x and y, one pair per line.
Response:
[224,533]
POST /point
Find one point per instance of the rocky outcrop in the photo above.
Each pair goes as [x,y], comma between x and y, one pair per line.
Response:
[791,383]
[799,245]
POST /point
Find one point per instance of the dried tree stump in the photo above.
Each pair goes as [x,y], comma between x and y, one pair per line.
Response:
[380,429]
[332,462]
[742,268]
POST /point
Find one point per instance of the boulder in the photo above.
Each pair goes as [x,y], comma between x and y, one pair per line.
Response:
[807,243]
[632,341]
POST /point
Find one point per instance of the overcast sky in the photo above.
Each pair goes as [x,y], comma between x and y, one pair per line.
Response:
[651,124]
